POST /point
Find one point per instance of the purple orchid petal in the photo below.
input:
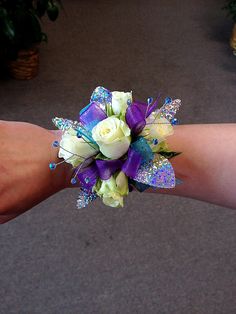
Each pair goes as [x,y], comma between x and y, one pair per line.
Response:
[106,168]
[132,163]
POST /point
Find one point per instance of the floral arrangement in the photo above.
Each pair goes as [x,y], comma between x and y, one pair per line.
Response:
[118,144]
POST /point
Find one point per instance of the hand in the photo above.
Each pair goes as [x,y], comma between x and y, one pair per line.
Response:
[25,180]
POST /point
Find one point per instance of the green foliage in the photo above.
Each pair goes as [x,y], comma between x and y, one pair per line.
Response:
[20,23]
[141,187]
[100,156]
[169,154]
[109,110]
[163,149]
[230,7]
[162,146]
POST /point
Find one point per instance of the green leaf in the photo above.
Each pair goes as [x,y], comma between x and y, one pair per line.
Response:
[36,33]
[97,186]
[52,11]
[169,154]
[163,146]
[122,117]
[160,147]
[101,157]
[109,110]
[141,187]
[9,29]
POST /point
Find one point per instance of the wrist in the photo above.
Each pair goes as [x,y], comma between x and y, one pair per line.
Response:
[61,178]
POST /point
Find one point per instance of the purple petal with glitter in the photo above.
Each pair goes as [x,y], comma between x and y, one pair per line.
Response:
[94,112]
[88,176]
[132,163]
[106,168]
[158,173]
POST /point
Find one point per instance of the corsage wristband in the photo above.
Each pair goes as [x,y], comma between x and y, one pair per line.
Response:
[118,144]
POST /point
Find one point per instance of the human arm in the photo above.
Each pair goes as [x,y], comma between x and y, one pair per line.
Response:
[26,180]
[207,163]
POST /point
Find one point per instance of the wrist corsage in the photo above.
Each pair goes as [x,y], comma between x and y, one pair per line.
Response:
[118,144]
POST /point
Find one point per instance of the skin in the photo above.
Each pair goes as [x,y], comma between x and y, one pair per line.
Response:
[26,180]
[207,163]
[205,166]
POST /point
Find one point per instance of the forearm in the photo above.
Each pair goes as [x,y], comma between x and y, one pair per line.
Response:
[26,180]
[206,164]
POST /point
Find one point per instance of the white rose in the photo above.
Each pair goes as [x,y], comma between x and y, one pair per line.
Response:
[119,102]
[122,183]
[112,190]
[71,144]
[110,195]
[113,199]
[157,128]
[112,136]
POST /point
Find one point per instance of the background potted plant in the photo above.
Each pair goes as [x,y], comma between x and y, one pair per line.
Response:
[21,33]
[230,7]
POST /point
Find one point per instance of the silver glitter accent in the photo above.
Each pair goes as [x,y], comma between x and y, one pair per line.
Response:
[158,173]
[65,124]
[102,96]
[169,110]
[85,197]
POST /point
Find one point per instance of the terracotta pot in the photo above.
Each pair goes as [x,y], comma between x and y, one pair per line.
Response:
[233,39]
[26,66]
